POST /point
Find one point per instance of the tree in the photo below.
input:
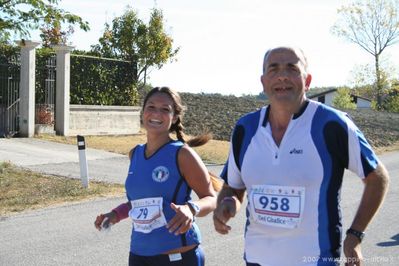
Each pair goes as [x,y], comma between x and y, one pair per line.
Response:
[374,26]
[391,102]
[21,16]
[130,39]
[53,34]
[343,99]
[363,81]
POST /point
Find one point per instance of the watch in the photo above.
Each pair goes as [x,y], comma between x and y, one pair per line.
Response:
[358,234]
[195,209]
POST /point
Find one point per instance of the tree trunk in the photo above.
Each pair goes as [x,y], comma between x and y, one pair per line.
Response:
[145,76]
[135,72]
[378,82]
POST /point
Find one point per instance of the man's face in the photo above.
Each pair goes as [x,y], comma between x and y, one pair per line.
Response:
[284,79]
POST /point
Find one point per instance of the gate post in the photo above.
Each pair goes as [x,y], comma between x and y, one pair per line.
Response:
[62,89]
[27,88]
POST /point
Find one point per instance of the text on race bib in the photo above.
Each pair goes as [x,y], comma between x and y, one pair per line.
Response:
[277,205]
[147,214]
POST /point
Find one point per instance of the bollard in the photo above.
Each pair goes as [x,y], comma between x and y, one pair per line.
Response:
[84,171]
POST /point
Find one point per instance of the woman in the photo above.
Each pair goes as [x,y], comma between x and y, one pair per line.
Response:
[161,175]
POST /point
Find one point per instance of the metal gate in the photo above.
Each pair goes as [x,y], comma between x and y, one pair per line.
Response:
[9,95]
[45,93]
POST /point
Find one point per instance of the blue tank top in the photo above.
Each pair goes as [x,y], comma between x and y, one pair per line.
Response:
[159,176]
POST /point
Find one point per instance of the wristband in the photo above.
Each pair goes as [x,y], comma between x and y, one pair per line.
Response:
[122,211]
[194,208]
[228,199]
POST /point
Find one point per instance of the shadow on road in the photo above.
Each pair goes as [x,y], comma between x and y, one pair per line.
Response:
[395,242]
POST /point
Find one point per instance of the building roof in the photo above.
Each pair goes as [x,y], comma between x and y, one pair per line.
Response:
[361,97]
[334,90]
[322,93]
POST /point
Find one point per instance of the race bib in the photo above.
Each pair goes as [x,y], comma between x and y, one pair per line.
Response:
[279,206]
[147,214]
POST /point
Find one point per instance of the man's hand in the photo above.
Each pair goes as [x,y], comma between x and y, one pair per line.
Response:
[352,251]
[225,210]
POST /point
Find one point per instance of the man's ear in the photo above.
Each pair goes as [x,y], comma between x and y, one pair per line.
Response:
[262,77]
[308,81]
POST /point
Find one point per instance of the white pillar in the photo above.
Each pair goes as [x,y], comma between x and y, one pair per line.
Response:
[27,88]
[62,89]
[84,169]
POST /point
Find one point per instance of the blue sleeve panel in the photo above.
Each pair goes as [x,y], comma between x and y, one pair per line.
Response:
[330,134]
[243,132]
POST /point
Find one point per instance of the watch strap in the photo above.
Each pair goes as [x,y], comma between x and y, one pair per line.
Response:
[358,234]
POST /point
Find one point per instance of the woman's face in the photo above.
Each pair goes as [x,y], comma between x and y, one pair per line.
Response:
[158,113]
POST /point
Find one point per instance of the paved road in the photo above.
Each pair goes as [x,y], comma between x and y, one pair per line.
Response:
[62,159]
[65,235]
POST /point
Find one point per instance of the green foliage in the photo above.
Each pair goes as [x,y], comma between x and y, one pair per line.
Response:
[130,39]
[343,99]
[53,35]
[364,85]
[94,81]
[363,79]
[374,26]
[8,51]
[102,81]
[20,17]
[391,102]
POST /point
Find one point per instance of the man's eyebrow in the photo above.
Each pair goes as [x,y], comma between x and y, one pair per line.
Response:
[292,64]
[272,65]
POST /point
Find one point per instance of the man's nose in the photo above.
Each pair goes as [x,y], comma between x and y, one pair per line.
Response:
[282,74]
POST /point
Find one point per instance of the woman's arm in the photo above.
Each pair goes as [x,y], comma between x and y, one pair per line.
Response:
[195,173]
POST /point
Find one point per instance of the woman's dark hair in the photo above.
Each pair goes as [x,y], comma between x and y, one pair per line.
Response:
[178,127]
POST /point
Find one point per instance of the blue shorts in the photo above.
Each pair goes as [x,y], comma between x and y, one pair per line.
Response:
[193,257]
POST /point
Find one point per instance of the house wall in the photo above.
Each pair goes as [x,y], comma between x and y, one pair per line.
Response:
[104,120]
[361,103]
[329,97]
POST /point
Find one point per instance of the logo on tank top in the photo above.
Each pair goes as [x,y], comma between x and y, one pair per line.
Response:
[160,174]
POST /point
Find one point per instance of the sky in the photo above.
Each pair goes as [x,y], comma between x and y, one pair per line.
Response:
[222,42]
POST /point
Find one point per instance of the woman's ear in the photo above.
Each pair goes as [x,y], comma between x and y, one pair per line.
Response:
[174,120]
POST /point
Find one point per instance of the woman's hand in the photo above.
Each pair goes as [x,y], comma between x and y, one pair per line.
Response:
[104,221]
[182,221]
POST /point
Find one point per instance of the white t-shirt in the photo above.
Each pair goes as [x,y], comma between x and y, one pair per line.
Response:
[293,212]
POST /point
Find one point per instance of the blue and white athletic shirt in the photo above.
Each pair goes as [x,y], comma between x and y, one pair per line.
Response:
[293,211]
[158,177]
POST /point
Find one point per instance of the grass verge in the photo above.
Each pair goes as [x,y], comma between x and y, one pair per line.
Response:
[24,190]
[215,151]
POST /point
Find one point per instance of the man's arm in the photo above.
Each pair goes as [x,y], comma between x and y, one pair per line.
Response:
[228,204]
[375,189]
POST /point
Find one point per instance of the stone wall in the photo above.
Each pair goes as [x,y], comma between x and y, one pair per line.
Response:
[103,120]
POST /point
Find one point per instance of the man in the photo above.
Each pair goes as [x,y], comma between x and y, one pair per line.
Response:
[290,158]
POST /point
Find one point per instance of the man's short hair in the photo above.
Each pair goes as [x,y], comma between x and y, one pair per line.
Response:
[296,50]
